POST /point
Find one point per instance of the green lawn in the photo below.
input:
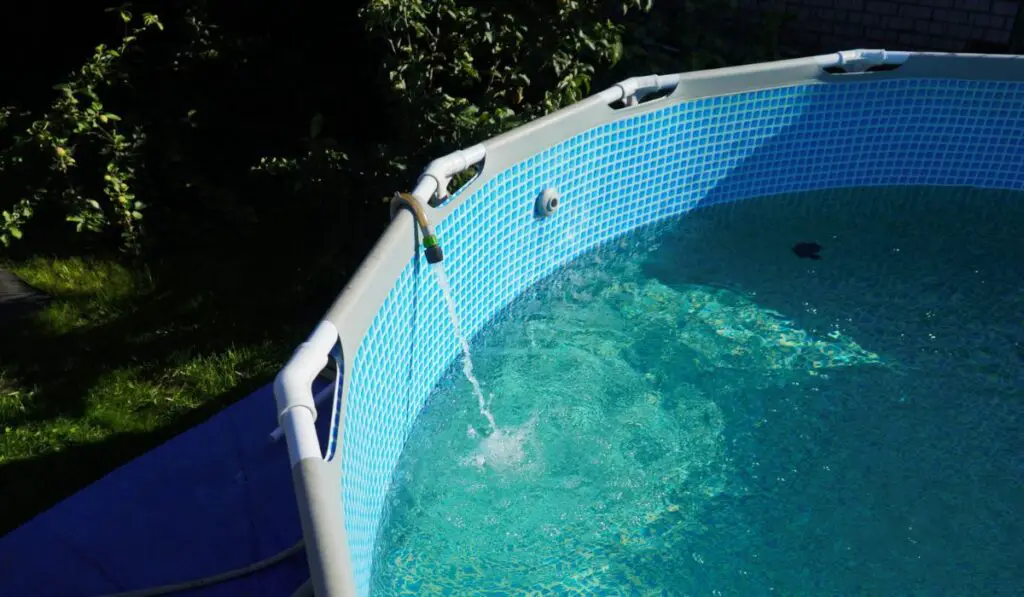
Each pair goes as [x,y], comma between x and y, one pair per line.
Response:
[122,360]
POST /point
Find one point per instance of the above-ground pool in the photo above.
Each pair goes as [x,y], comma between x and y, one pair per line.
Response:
[769,341]
[702,410]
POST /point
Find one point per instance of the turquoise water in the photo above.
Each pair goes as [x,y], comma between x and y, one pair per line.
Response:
[694,410]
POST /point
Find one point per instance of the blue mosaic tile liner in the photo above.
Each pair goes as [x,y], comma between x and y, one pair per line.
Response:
[636,171]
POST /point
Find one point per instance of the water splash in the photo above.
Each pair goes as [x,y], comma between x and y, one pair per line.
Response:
[467,359]
[505,448]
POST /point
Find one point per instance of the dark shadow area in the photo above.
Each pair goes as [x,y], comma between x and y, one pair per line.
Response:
[205,308]
[17,299]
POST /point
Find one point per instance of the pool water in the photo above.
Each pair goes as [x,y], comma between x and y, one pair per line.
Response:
[693,409]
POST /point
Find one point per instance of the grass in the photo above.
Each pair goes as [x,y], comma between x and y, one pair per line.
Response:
[122,360]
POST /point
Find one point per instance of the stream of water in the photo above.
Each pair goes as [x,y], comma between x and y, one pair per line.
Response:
[467,359]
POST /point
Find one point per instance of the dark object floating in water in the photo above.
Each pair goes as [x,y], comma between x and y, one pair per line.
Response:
[807,250]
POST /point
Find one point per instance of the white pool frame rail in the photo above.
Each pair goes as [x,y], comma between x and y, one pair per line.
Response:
[318,484]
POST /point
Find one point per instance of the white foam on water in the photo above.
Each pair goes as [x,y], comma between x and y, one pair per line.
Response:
[505,449]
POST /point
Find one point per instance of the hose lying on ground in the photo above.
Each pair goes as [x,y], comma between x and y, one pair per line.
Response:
[218,578]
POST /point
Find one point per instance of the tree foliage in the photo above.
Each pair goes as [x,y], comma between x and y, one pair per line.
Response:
[462,71]
[78,154]
[220,119]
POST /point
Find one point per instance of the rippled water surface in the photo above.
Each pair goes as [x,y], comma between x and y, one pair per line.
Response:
[695,410]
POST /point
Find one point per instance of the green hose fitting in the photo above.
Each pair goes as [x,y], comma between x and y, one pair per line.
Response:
[432,248]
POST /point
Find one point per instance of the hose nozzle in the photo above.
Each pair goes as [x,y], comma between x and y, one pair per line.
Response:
[432,248]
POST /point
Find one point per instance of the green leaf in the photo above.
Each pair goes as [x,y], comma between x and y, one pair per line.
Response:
[150,19]
[15,232]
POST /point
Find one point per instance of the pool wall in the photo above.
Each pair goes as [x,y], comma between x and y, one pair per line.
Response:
[719,136]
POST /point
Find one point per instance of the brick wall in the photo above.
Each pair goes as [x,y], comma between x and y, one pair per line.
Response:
[931,25]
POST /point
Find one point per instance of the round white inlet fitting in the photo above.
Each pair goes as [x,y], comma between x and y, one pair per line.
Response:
[547,202]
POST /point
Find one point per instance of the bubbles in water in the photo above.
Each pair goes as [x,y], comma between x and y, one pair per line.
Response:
[505,449]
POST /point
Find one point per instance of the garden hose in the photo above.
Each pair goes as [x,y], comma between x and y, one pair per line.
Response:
[431,245]
[218,578]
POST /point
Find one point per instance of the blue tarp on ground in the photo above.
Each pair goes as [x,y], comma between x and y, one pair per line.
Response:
[216,498]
